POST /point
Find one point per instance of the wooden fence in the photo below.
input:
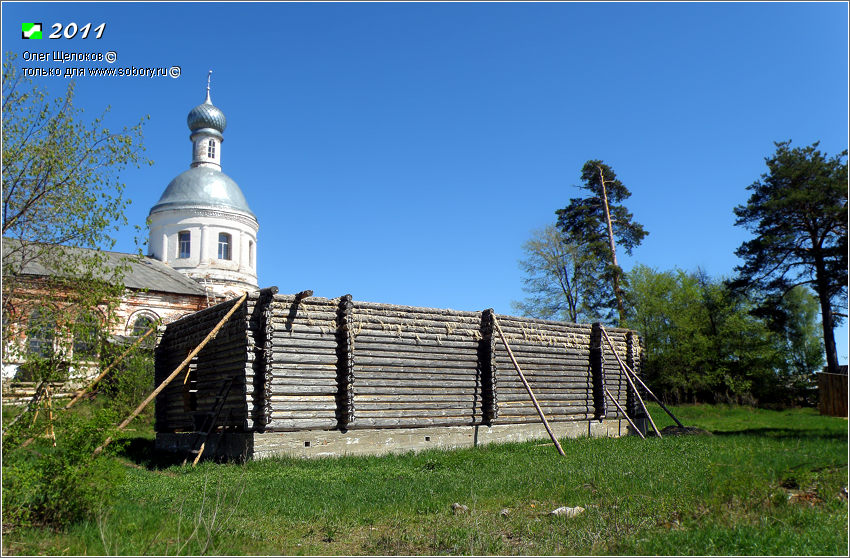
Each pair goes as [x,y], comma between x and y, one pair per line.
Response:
[832,393]
[326,364]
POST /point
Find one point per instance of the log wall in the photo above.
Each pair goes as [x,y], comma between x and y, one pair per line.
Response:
[235,354]
[340,364]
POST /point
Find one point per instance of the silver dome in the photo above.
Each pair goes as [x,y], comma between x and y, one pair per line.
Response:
[206,115]
[203,187]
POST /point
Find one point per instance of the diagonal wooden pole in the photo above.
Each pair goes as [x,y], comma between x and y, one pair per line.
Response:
[210,336]
[649,391]
[625,414]
[106,370]
[631,383]
[527,387]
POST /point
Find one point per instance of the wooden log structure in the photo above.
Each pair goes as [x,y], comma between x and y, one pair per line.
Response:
[301,362]
[832,392]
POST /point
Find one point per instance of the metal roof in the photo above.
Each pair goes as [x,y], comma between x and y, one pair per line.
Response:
[203,187]
[144,272]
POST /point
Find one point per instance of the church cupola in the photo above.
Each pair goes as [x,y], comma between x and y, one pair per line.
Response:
[207,123]
[202,225]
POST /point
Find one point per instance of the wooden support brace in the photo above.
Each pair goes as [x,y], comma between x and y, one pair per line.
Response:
[649,391]
[629,380]
[642,437]
[527,387]
[106,370]
[210,336]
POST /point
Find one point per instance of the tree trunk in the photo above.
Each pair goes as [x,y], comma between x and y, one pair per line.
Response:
[826,316]
[617,294]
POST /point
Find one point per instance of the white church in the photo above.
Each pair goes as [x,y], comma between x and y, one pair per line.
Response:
[202,249]
[202,225]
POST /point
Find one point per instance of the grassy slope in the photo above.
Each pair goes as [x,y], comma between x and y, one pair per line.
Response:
[721,494]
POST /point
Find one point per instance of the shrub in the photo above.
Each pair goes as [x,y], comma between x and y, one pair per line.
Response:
[56,486]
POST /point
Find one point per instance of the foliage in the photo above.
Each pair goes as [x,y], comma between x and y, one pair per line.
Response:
[62,201]
[585,222]
[703,343]
[131,380]
[802,345]
[57,486]
[61,194]
[736,492]
[559,277]
[798,214]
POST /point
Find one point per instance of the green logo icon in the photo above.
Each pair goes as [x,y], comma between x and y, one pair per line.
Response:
[30,30]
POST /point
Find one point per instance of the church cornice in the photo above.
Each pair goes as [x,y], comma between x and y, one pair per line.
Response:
[211,212]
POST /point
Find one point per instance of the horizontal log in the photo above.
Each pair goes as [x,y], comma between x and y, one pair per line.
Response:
[401,326]
[304,358]
[457,407]
[282,383]
[286,342]
[289,425]
[529,360]
[554,372]
[299,351]
[296,390]
[301,329]
[576,331]
[536,420]
[377,397]
[512,400]
[582,353]
[286,300]
[285,323]
[423,333]
[310,409]
[381,423]
[421,360]
[362,382]
[278,413]
[190,339]
[296,369]
[411,413]
[460,331]
[539,381]
[470,351]
[301,397]
[552,413]
[375,339]
[413,391]
[362,368]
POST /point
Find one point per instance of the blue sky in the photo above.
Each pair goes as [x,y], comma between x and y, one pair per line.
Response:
[403,152]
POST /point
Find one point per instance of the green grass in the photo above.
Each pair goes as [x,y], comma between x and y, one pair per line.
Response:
[726,494]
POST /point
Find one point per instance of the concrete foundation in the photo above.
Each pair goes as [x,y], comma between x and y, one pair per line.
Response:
[333,443]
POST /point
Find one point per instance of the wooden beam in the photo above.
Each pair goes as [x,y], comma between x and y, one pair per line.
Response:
[631,383]
[106,370]
[527,387]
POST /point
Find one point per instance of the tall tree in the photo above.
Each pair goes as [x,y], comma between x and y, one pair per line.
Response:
[559,277]
[702,342]
[600,223]
[801,333]
[60,192]
[798,214]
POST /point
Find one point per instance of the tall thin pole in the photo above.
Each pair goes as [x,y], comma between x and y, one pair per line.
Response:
[527,387]
[631,383]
